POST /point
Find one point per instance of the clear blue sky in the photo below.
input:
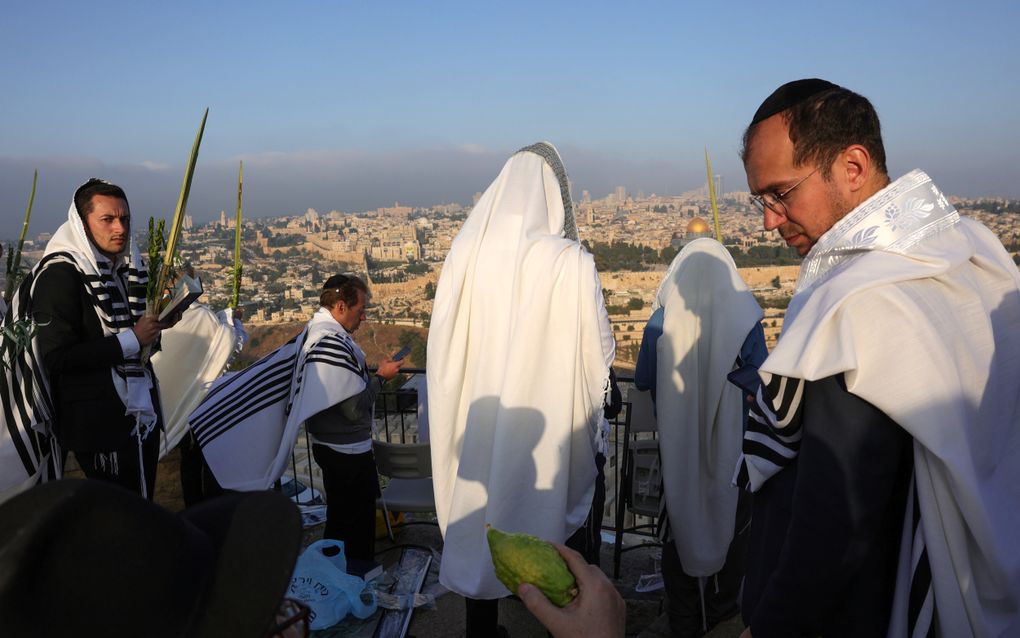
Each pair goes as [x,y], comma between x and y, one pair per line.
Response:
[351,105]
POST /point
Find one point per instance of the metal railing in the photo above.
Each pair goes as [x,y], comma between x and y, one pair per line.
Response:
[396,421]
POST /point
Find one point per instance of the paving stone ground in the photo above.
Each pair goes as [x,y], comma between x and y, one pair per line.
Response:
[645,617]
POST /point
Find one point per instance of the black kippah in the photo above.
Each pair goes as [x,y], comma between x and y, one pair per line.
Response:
[790,94]
[335,282]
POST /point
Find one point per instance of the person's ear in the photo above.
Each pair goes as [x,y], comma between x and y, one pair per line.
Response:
[854,167]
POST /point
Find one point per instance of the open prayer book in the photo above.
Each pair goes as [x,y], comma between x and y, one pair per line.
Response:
[186,291]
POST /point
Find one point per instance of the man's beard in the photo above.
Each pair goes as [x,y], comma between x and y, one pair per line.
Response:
[838,205]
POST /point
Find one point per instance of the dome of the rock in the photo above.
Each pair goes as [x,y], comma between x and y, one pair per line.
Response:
[698,226]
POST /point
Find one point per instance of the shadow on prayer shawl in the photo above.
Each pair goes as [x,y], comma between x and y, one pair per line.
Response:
[707,318]
[508,483]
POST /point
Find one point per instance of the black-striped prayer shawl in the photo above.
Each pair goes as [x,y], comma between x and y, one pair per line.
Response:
[774,431]
[255,413]
[772,442]
[28,411]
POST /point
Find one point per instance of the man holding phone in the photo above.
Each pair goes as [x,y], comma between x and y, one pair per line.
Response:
[342,433]
[403,352]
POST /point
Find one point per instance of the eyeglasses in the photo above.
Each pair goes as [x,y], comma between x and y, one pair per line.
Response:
[773,200]
[291,620]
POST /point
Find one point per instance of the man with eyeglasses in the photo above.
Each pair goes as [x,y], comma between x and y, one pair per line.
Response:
[882,446]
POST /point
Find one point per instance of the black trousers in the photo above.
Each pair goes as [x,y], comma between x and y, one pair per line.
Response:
[197,480]
[482,618]
[352,487]
[122,466]
[587,540]
[683,594]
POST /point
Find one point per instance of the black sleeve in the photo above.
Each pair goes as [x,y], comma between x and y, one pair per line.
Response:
[850,468]
[64,342]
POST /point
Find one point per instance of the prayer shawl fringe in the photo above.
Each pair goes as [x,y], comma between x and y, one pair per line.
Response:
[918,309]
[248,422]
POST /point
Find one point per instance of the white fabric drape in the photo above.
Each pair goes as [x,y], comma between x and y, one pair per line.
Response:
[920,310]
[248,422]
[708,313]
[516,372]
[193,355]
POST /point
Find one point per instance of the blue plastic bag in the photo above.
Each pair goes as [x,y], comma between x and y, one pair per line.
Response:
[322,583]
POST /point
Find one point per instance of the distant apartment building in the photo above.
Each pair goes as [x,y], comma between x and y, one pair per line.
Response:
[395,250]
[740,197]
[311,217]
[396,210]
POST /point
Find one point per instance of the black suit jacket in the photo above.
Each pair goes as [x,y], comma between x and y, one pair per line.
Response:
[825,530]
[78,359]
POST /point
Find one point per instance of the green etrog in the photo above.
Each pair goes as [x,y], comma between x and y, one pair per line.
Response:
[523,558]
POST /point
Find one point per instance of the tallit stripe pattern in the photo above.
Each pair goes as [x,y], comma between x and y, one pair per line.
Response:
[27,407]
[552,158]
[334,350]
[26,400]
[265,382]
[773,435]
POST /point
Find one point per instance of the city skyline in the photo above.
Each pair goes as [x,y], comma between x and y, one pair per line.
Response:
[355,107]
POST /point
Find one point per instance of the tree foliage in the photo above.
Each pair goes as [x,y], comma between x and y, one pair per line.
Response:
[417,344]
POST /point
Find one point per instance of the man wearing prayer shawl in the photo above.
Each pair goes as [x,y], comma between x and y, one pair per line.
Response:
[882,448]
[82,380]
[518,366]
[704,327]
[247,424]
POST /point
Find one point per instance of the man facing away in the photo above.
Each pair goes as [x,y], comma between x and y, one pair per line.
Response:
[704,329]
[518,366]
[87,295]
[882,445]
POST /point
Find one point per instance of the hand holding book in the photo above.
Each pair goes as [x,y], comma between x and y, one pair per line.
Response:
[186,290]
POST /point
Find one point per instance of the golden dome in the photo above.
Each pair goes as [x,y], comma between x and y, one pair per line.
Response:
[698,225]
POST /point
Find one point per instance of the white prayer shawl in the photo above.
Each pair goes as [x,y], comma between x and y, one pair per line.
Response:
[26,439]
[249,421]
[192,355]
[516,372]
[919,310]
[708,313]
